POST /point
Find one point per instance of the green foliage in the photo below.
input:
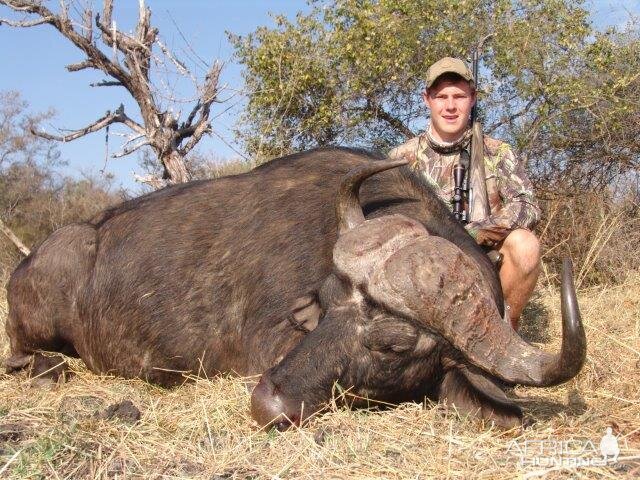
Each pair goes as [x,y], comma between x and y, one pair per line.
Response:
[351,72]
[590,133]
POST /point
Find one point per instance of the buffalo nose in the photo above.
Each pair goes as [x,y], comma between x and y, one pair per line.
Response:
[269,408]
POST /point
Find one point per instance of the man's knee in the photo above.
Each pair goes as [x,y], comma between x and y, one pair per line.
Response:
[522,248]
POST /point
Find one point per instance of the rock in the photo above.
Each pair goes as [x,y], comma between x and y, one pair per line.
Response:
[124,411]
[11,432]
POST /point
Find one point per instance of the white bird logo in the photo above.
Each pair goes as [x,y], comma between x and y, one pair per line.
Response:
[609,446]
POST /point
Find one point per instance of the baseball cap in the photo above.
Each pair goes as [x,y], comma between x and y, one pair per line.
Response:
[448,65]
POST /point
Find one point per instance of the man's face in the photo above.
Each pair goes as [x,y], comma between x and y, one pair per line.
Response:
[450,103]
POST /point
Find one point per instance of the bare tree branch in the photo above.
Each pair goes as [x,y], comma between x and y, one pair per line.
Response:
[111,36]
[65,27]
[192,115]
[151,180]
[117,117]
[378,111]
[64,11]
[87,23]
[75,67]
[189,47]
[14,239]
[179,65]
[202,125]
[240,154]
[129,150]
[33,23]
[106,83]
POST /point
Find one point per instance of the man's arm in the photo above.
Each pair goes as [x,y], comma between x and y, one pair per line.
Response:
[519,208]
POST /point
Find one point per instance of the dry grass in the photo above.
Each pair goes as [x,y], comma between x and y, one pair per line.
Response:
[203,430]
[595,231]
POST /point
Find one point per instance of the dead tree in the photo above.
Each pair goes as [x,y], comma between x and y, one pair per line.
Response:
[160,129]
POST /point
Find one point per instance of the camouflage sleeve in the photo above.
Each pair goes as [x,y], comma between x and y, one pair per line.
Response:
[519,207]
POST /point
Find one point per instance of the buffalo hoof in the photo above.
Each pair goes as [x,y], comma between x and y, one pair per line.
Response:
[270,409]
[48,370]
[17,362]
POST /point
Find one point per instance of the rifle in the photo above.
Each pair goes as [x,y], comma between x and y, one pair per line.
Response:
[468,173]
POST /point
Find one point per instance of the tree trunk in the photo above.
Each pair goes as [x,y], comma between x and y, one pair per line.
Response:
[175,168]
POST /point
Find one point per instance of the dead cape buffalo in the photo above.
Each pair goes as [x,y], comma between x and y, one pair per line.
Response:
[292,270]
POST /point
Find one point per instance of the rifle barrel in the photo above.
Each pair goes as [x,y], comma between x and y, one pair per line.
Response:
[476,63]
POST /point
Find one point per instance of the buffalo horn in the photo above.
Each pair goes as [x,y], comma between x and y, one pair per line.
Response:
[348,211]
[527,365]
[474,327]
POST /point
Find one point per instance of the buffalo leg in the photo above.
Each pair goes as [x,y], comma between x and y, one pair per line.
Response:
[17,362]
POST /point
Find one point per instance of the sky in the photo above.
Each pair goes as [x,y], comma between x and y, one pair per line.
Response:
[32,61]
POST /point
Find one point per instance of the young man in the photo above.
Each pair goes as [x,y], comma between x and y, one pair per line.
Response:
[450,95]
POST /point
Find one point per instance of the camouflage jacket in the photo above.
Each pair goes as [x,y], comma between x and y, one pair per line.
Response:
[509,190]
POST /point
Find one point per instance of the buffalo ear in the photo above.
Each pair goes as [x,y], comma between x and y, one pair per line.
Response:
[306,312]
[474,392]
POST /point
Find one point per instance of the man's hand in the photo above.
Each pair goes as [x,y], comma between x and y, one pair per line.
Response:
[489,237]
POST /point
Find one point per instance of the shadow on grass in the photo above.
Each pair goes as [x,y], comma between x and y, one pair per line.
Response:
[534,323]
[540,409]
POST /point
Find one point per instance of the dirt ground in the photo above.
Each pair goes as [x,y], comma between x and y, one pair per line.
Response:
[104,427]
